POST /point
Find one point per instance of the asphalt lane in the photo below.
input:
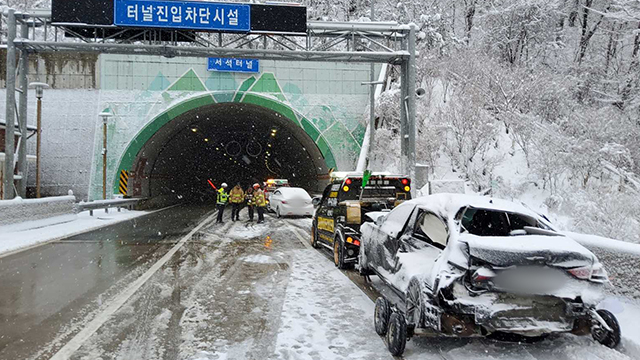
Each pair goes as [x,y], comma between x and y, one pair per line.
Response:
[45,288]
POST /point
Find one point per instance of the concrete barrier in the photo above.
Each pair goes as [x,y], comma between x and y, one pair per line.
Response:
[22,214]
[621,260]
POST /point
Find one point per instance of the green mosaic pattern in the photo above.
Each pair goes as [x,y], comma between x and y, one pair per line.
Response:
[265,91]
[336,132]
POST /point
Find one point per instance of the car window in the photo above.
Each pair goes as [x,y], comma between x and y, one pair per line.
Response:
[490,222]
[325,195]
[432,228]
[395,222]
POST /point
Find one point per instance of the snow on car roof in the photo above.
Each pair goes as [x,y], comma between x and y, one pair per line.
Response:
[294,191]
[451,203]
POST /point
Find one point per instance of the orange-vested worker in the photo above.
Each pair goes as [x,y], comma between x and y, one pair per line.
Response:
[236,196]
[259,201]
[250,204]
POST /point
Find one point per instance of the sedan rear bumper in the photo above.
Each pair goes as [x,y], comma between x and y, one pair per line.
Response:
[293,210]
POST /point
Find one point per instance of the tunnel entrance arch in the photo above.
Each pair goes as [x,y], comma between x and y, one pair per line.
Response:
[244,141]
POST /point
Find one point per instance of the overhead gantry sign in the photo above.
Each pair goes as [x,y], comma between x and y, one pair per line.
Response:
[250,31]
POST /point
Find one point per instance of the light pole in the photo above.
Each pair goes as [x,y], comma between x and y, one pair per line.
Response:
[105,115]
[39,93]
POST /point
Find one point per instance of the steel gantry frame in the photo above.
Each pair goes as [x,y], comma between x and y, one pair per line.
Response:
[373,42]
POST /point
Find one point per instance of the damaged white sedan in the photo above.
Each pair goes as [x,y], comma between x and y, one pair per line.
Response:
[465,265]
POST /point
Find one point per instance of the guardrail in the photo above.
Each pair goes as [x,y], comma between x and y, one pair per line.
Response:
[106,205]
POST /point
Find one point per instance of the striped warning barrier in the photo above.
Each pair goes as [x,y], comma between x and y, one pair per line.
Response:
[124,181]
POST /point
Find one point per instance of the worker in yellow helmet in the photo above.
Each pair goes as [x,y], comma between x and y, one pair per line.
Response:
[237,198]
[222,200]
[259,201]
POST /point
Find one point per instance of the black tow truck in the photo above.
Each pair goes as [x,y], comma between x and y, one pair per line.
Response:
[341,209]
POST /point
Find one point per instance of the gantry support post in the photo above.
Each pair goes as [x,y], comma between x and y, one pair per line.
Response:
[411,105]
[10,107]
[23,71]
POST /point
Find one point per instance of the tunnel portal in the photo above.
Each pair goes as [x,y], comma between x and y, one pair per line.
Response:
[226,142]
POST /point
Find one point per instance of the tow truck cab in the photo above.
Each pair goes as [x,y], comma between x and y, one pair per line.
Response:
[340,213]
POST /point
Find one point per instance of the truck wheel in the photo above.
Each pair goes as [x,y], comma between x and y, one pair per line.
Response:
[314,237]
[607,338]
[338,252]
[381,316]
[397,334]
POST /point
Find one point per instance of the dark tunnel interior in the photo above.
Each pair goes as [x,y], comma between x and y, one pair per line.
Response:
[232,143]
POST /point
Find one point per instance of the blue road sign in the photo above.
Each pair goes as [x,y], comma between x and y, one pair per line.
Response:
[234,65]
[193,15]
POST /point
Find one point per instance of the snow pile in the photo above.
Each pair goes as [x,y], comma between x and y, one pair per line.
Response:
[12,239]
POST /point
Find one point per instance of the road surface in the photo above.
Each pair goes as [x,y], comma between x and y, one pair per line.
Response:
[175,285]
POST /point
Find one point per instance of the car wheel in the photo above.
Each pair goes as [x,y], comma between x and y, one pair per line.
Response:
[278,212]
[414,299]
[607,338]
[338,252]
[381,316]
[396,334]
[314,237]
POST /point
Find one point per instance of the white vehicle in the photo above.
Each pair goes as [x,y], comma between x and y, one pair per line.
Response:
[291,201]
[464,266]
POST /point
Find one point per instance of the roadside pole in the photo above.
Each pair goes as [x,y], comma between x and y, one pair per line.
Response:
[105,118]
[372,104]
[39,93]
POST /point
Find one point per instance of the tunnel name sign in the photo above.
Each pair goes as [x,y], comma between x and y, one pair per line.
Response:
[234,65]
[192,15]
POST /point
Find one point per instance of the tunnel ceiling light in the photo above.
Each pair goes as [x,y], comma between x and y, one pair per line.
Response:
[206,140]
[194,130]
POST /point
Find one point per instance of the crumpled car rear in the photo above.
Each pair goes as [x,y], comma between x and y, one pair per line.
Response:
[528,285]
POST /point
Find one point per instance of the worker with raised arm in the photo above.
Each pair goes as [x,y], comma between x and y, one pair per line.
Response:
[221,201]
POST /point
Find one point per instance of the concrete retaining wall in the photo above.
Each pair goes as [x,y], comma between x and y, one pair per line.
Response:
[21,214]
[621,259]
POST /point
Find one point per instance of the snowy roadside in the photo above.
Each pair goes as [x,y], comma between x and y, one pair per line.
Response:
[12,241]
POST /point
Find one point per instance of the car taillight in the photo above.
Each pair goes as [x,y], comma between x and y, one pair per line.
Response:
[483,277]
[353,241]
[347,182]
[583,273]
[284,202]
[405,181]
[598,273]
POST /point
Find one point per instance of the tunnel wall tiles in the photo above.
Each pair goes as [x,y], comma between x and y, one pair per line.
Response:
[316,96]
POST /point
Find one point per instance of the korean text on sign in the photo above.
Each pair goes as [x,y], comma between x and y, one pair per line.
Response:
[183,15]
[234,65]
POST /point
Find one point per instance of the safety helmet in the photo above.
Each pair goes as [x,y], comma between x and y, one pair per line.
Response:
[224,185]
[256,186]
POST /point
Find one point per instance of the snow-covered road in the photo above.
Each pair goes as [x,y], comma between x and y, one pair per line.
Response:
[247,291]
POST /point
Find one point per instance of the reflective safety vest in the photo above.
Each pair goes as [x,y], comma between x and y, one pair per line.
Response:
[259,199]
[249,198]
[223,197]
[237,196]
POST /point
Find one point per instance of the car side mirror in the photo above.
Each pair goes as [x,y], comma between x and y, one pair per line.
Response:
[316,201]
